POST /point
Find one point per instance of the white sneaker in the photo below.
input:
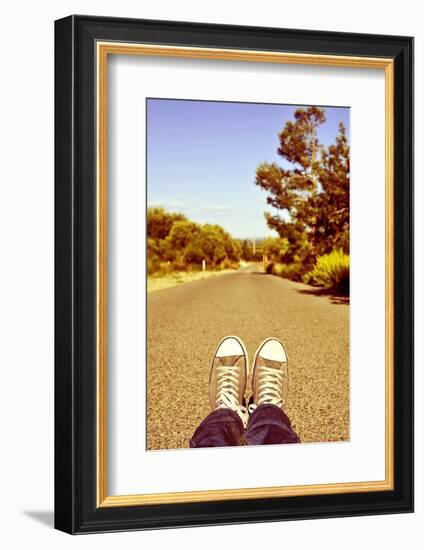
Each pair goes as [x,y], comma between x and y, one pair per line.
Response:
[270,379]
[228,376]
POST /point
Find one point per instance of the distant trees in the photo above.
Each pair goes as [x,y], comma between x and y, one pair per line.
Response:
[252,249]
[176,243]
[313,194]
[245,250]
[276,249]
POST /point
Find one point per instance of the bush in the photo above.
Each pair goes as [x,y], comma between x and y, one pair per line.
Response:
[229,264]
[278,270]
[293,271]
[275,248]
[153,264]
[269,268]
[159,222]
[179,264]
[331,271]
[175,243]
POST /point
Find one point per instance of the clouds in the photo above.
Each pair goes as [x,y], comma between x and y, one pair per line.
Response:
[218,209]
[168,204]
[183,204]
[241,220]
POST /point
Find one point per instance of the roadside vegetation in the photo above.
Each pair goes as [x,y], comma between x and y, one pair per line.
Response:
[312,196]
[175,244]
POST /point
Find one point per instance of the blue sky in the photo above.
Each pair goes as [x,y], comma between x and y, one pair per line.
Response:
[202,157]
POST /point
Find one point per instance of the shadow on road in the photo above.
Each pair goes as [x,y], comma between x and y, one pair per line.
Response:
[336,298]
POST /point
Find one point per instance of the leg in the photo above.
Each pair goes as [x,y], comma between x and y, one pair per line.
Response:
[269,425]
[224,426]
[221,428]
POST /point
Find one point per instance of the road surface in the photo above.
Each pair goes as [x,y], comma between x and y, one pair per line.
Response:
[186,323]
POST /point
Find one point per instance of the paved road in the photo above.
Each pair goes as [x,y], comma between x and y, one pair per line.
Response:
[186,323]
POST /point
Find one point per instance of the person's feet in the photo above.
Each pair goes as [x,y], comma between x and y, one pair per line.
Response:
[228,375]
[270,374]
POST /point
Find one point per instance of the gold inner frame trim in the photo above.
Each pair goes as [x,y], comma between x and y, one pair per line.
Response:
[104,49]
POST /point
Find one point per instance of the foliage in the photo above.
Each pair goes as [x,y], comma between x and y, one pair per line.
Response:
[313,194]
[285,260]
[160,222]
[245,251]
[182,234]
[251,249]
[294,271]
[331,271]
[276,249]
[269,268]
[175,243]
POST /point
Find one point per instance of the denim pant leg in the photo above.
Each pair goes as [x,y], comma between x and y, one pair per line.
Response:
[269,425]
[221,428]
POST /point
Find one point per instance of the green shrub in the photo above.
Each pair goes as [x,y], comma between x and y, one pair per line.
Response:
[331,271]
[293,271]
[278,270]
[269,268]
[229,264]
[152,265]
[179,264]
[175,243]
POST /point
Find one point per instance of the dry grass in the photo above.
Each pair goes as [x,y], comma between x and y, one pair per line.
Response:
[173,279]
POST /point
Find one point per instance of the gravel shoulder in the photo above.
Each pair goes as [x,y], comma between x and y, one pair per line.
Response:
[174,279]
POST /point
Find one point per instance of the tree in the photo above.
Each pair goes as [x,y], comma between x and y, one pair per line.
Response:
[276,249]
[218,245]
[182,233]
[333,205]
[312,195]
[174,242]
[160,222]
[245,250]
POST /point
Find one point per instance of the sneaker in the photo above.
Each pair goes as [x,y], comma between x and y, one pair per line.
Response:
[270,374]
[228,376]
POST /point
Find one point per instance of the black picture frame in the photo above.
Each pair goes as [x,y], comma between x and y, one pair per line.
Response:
[76,510]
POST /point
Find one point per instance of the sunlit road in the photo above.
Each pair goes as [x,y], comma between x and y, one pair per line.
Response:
[185,324]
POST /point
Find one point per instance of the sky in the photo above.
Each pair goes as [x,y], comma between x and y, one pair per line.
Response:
[202,158]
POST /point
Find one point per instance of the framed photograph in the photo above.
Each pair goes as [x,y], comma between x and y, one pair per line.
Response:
[234,274]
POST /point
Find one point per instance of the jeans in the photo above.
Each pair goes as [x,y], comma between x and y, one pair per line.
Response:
[268,425]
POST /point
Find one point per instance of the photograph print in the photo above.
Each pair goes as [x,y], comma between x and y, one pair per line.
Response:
[247,267]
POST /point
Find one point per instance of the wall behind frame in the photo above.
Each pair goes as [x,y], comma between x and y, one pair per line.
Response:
[26,274]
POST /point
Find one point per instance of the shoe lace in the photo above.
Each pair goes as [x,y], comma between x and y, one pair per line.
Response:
[227,391]
[271,388]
